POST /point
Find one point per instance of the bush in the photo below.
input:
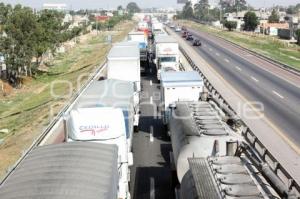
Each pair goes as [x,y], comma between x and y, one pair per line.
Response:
[230,25]
[298,36]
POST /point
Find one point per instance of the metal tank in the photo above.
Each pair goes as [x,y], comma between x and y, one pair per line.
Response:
[196,130]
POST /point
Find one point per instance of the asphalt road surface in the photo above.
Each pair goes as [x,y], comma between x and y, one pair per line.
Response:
[150,175]
[279,94]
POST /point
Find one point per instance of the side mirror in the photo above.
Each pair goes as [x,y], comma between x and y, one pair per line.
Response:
[130,159]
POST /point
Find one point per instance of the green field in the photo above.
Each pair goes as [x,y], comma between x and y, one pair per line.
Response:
[265,45]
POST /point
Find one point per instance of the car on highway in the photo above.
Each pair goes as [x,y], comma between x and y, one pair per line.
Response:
[177,29]
[189,37]
[197,42]
[172,26]
[184,34]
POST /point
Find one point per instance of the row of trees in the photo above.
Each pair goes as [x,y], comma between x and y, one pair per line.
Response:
[131,8]
[26,34]
[203,12]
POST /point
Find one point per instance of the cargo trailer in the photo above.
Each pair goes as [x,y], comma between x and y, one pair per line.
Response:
[179,86]
[142,38]
[68,170]
[123,63]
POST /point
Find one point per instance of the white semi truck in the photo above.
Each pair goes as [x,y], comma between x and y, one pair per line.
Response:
[142,38]
[123,63]
[166,54]
[179,86]
[105,112]
[157,28]
[99,125]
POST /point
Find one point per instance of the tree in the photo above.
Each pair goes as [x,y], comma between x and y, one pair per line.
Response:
[48,34]
[187,11]
[17,45]
[120,7]
[251,21]
[233,6]
[230,25]
[274,17]
[298,36]
[132,7]
[201,9]
[293,9]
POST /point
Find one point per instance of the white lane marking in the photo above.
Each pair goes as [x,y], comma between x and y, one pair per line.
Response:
[151,100]
[217,54]
[210,49]
[151,134]
[278,94]
[152,188]
[150,82]
[150,70]
[226,60]
[238,68]
[256,80]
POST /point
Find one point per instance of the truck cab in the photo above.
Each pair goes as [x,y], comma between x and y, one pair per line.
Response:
[103,125]
[167,54]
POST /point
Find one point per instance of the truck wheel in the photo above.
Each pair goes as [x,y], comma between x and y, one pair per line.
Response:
[136,129]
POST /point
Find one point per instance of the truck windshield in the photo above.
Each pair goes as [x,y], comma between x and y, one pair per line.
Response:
[167,59]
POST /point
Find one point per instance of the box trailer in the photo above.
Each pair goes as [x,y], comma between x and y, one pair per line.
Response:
[179,86]
[142,38]
[123,63]
[142,54]
[166,54]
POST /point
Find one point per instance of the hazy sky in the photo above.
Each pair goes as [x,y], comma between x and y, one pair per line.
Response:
[77,4]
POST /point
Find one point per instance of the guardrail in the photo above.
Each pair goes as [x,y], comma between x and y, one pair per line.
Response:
[54,121]
[261,56]
[250,137]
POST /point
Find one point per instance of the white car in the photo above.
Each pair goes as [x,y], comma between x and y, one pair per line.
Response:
[177,29]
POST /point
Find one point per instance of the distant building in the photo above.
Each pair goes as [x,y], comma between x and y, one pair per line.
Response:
[272,28]
[55,6]
[182,1]
[102,18]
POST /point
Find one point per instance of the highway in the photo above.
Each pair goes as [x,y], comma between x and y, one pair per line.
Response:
[281,98]
[242,78]
[150,175]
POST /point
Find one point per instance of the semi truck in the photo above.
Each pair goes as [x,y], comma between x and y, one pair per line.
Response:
[67,170]
[105,113]
[113,93]
[157,28]
[174,84]
[123,63]
[142,38]
[166,54]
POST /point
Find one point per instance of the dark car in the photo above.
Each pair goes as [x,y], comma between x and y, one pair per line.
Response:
[197,42]
[189,37]
[184,34]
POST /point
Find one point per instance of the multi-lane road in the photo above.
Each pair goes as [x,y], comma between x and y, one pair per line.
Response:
[258,81]
[241,78]
[151,174]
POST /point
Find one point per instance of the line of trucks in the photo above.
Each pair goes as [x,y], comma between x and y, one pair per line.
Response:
[209,157]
